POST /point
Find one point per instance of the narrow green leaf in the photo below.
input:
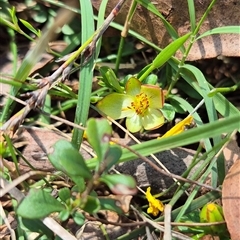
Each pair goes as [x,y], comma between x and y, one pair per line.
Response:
[110,79]
[169,51]
[191,10]
[224,107]
[191,136]
[165,55]
[221,30]
[212,116]
[100,20]
[86,74]
[7,23]
[30,27]
[13,15]
[27,64]
[38,204]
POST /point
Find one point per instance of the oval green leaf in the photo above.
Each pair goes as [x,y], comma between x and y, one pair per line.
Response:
[120,184]
[98,134]
[38,204]
[66,158]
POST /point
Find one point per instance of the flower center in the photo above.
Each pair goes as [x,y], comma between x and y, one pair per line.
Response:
[140,104]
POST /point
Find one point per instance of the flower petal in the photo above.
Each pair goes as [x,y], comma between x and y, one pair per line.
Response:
[134,124]
[133,86]
[115,105]
[155,95]
[152,119]
[179,127]
[155,205]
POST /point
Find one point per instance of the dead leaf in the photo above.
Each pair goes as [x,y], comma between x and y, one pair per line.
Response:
[224,13]
[231,200]
[122,201]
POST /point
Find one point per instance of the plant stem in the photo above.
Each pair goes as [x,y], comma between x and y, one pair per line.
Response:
[124,33]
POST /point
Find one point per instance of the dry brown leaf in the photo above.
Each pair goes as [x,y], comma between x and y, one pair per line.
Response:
[231,200]
[224,13]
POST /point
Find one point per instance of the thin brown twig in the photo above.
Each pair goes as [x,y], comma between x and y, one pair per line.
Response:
[132,224]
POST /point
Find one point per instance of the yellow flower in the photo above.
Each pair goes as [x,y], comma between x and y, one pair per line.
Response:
[155,205]
[140,104]
[179,127]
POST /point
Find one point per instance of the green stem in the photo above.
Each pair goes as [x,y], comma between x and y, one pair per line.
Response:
[147,72]
[124,33]
[119,54]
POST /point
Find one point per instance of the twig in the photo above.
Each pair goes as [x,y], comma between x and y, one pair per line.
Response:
[38,96]
[167,222]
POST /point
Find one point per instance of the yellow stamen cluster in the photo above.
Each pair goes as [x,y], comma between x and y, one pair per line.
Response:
[140,104]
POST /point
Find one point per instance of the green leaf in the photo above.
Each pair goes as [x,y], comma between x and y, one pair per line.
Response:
[212,212]
[98,134]
[168,112]
[113,156]
[42,14]
[13,16]
[110,79]
[67,30]
[169,51]
[78,218]
[191,10]
[80,184]
[66,158]
[178,107]
[110,204]
[120,184]
[151,79]
[34,225]
[64,215]
[38,204]
[30,27]
[64,194]
[92,205]
[194,135]
[8,23]
[86,74]
[27,64]
[221,30]
[165,55]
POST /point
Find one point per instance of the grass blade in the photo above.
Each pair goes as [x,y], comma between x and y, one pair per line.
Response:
[86,74]
[221,30]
